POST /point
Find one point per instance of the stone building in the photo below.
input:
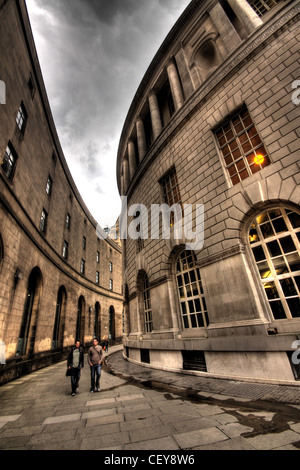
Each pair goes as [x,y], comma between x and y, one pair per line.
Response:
[214,124]
[59,280]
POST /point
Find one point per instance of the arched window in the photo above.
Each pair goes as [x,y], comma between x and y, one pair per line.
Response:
[80,320]
[147,305]
[97,321]
[29,320]
[275,243]
[58,331]
[190,291]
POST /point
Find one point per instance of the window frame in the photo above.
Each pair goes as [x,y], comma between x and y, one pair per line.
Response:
[193,307]
[244,157]
[266,261]
[43,221]
[171,193]
[8,165]
[21,118]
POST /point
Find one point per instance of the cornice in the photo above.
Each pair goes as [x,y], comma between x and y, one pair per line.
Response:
[249,47]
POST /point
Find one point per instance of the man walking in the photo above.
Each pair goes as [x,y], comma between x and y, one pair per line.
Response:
[95,359]
[76,363]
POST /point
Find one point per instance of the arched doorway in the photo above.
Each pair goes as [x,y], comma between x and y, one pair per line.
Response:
[59,323]
[80,320]
[97,321]
[111,326]
[30,315]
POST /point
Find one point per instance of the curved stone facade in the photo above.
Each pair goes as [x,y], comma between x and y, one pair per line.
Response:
[213,127]
[58,280]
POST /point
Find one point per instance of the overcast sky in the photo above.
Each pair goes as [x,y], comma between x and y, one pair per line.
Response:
[93,55]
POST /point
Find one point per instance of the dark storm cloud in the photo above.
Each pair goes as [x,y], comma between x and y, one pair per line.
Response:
[93,55]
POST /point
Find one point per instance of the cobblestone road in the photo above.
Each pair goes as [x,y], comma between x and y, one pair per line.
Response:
[38,413]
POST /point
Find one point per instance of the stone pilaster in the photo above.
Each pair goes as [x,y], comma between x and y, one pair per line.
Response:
[245,13]
[141,139]
[155,115]
[175,84]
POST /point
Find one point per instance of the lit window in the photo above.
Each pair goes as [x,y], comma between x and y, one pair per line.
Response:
[65,250]
[275,242]
[49,186]
[21,118]
[110,267]
[98,257]
[9,161]
[111,284]
[43,221]
[147,305]
[190,291]
[172,195]
[97,277]
[82,266]
[241,147]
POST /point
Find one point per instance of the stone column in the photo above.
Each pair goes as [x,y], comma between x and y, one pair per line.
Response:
[227,31]
[126,176]
[132,158]
[175,84]
[155,115]
[246,15]
[141,139]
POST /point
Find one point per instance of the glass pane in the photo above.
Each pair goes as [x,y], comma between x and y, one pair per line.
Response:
[288,287]
[200,320]
[183,308]
[271,290]
[198,305]
[195,289]
[275,213]
[279,265]
[297,279]
[294,219]
[188,291]
[259,254]
[294,262]
[264,270]
[191,306]
[287,244]
[294,306]
[179,280]
[277,309]
[253,235]
[185,322]
[274,248]
[267,230]
[280,225]
[193,321]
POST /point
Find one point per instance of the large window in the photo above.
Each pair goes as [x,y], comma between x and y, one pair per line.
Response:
[147,306]
[275,242]
[171,194]
[263,6]
[241,147]
[43,221]
[9,161]
[190,291]
[21,118]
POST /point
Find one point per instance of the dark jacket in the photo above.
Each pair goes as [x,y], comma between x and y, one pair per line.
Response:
[81,358]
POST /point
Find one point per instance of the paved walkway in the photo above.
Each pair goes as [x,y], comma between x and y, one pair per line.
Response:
[148,410]
[205,386]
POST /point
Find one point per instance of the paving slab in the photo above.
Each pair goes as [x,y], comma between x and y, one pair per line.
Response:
[137,412]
